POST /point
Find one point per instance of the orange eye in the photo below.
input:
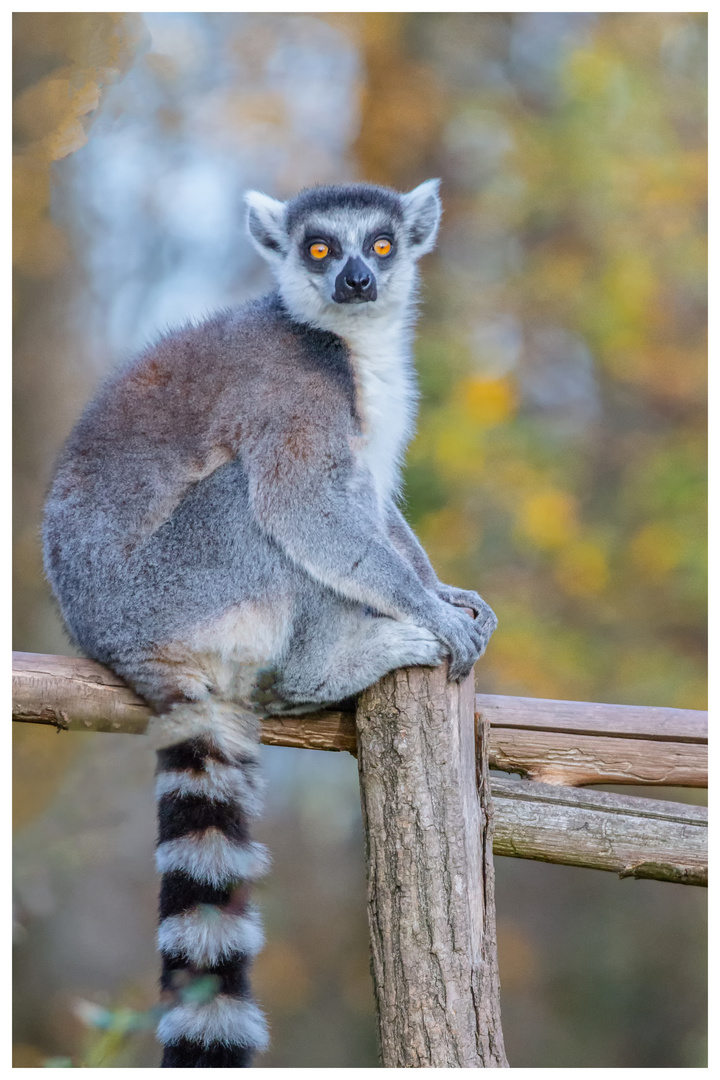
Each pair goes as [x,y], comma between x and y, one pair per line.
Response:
[382,247]
[319,250]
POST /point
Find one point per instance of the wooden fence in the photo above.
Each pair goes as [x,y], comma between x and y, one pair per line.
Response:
[433,816]
[556,746]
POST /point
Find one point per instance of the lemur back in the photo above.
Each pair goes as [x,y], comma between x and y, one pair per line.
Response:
[222,531]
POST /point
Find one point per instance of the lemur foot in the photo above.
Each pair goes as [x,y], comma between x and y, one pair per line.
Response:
[384,644]
[266,694]
[415,646]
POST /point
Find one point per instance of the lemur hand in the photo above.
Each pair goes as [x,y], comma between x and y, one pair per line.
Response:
[466,598]
[466,638]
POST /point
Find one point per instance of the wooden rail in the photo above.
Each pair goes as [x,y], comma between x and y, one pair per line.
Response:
[576,743]
[556,745]
[640,838]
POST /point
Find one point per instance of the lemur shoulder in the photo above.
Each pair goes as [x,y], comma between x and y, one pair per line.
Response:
[223,532]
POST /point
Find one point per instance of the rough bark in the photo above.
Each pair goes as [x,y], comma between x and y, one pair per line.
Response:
[428,833]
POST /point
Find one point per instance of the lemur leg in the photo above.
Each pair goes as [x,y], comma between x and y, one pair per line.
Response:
[361,647]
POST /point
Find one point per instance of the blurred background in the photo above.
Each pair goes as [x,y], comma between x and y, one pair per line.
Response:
[559,466]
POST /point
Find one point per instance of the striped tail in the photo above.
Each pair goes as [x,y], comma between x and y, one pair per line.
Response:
[208,934]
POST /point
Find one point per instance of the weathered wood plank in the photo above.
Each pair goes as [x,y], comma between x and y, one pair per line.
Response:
[74,694]
[316,731]
[590,718]
[430,874]
[634,837]
[555,757]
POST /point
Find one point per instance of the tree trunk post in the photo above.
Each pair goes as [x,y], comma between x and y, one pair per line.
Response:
[428,841]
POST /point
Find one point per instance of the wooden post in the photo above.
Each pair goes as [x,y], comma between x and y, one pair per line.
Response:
[428,837]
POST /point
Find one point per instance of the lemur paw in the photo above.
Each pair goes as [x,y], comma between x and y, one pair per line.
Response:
[470,599]
[466,637]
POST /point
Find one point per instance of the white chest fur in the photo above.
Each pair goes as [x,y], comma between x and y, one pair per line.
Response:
[386,403]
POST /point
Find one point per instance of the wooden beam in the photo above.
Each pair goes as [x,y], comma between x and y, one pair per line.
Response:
[573,760]
[74,695]
[590,718]
[634,837]
[316,731]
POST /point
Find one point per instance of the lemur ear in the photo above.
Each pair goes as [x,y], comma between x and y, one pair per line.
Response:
[266,225]
[422,208]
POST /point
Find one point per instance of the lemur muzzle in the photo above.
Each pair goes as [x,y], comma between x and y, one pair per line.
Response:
[355,283]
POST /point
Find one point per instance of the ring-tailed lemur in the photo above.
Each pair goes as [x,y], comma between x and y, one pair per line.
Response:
[222,531]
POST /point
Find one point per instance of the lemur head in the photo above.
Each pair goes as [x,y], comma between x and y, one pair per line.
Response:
[346,254]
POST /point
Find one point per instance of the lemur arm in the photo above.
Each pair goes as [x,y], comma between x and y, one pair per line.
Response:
[310,497]
[308,494]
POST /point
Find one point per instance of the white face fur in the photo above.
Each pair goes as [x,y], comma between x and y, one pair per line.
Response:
[373,246]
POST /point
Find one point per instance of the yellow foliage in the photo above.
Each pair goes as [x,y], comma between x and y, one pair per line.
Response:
[640,668]
[510,482]
[40,757]
[39,247]
[665,369]
[591,73]
[581,568]
[31,189]
[560,273]
[524,659]
[656,550]
[396,139]
[25,1056]
[517,956]
[51,116]
[458,452]
[630,284]
[356,985]
[450,533]
[691,694]
[548,518]
[488,401]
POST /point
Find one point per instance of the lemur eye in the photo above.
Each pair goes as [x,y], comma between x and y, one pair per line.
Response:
[383,246]
[318,250]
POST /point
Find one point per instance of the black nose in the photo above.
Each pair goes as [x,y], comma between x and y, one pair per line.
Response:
[355,282]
